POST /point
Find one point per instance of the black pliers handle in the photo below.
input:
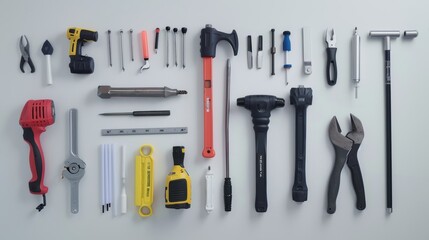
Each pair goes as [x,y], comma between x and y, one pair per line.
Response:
[24,45]
[331,50]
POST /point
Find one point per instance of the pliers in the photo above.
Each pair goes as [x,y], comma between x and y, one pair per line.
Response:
[24,45]
[331,50]
[346,148]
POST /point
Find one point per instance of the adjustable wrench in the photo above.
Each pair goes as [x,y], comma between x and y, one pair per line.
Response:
[74,167]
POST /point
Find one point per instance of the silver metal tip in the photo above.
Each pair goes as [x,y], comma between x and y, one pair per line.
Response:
[389,210]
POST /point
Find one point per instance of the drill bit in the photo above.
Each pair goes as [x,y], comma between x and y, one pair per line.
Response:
[175,45]
[122,50]
[167,29]
[131,45]
[110,47]
[356,60]
[184,30]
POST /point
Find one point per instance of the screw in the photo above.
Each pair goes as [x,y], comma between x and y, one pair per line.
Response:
[184,30]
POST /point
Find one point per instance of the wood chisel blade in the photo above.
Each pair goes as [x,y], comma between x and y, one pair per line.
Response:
[144,131]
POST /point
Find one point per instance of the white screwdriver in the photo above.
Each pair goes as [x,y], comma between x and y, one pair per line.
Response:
[47,50]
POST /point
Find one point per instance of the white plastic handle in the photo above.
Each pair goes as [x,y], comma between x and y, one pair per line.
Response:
[123,178]
[48,69]
[209,191]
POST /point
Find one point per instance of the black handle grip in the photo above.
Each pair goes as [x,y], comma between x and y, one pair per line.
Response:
[36,162]
[227,194]
[334,180]
[151,113]
[332,64]
[261,202]
[299,189]
[156,38]
[260,42]
[249,43]
[353,164]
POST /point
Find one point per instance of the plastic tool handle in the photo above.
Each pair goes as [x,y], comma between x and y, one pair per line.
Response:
[145,46]
[353,164]
[286,41]
[249,43]
[332,65]
[156,38]
[227,194]
[151,113]
[261,202]
[209,191]
[299,189]
[334,180]
[48,70]
[37,160]
[208,151]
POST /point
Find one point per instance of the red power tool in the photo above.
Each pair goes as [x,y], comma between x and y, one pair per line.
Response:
[35,116]
[209,39]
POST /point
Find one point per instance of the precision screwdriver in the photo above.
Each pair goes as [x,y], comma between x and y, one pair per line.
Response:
[286,48]
[138,113]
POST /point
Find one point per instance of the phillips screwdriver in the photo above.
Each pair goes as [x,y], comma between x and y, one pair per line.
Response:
[356,60]
[156,39]
[139,113]
[286,48]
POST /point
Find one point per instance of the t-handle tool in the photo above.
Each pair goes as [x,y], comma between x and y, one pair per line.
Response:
[387,36]
[24,46]
[260,107]
[74,167]
[47,50]
[346,148]
[35,117]
[301,98]
[145,50]
[286,48]
[331,50]
[209,39]
[273,52]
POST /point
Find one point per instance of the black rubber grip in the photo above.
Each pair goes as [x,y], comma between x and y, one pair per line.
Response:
[151,113]
[331,65]
[334,180]
[227,194]
[299,189]
[261,202]
[353,164]
[35,186]
[156,39]
[260,42]
[210,38]
[249,43]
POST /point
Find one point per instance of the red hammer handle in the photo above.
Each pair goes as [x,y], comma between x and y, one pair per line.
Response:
[208,151]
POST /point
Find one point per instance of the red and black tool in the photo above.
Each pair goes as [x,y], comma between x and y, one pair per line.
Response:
[209,39]
[35,117]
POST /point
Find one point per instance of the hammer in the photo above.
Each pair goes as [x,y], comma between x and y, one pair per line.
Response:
[260,106]
[209,40]
[387,36]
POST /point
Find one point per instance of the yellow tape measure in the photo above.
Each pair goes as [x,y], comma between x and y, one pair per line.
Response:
[144,181]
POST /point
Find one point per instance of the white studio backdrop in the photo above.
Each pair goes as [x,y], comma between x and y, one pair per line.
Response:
[41,20]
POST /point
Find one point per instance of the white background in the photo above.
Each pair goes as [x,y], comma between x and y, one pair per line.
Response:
[41,20]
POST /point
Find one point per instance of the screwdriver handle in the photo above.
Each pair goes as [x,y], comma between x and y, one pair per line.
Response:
[332,63]
[227,194]
[156,38]
[151,113]
[37,160]
[145,45]
[299,189]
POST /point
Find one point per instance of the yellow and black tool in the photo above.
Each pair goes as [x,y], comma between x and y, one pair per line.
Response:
[78,63]
[178,183]
[143,198]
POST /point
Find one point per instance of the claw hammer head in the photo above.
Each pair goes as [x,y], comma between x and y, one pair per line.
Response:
[210,38]
[386,35]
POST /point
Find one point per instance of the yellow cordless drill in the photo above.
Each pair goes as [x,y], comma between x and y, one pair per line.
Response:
[78,63]
[178,183]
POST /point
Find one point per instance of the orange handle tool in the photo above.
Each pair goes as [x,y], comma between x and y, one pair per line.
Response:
[208,151]
[145,46]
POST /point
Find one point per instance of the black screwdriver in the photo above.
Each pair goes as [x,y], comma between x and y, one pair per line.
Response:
[139,113]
